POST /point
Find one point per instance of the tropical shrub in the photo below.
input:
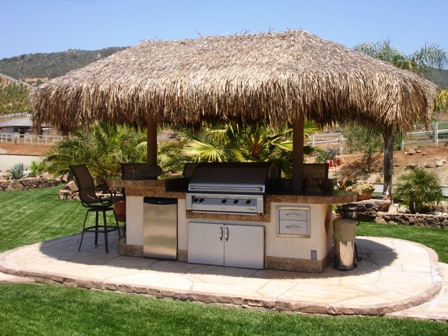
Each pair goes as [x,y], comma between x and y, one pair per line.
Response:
[417,189]
[37,168]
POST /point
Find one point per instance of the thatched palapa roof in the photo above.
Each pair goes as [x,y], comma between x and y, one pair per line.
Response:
[275,76]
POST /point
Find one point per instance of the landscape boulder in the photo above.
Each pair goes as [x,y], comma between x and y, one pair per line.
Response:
[14,185]
[69,191]
[366,210]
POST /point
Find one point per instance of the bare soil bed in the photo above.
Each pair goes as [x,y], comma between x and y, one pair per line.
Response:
[352,164]
[21,149]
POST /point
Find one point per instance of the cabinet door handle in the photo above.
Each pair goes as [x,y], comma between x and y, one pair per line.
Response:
[220,233]
[227,233]
[293,227]
[293,214]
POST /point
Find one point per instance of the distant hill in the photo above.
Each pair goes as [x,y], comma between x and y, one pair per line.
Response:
[440,77]
[13,96]
[35,68]
[50,65]
[16,73]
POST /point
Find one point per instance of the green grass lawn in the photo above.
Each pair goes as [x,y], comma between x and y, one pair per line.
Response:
[51,310]
[37,215]
[35,309]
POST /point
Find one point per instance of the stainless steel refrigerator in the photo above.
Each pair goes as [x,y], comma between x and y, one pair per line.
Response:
[160,228]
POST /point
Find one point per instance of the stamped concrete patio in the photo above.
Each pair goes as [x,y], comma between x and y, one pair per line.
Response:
[395,278]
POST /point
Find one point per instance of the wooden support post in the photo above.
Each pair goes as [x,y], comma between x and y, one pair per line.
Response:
[297,154]
[151,142]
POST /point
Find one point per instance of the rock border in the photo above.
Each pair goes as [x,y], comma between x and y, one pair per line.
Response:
[28,183]
[424,220]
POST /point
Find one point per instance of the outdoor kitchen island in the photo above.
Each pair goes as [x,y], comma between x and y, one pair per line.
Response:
[239,78]
[293,232]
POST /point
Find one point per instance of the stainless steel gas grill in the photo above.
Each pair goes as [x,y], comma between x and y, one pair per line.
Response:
[231,187]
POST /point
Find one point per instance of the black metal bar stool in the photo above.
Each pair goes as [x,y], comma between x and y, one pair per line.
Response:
[94,203]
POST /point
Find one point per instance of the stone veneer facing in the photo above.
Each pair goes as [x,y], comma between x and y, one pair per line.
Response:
[285,264]
[297,265]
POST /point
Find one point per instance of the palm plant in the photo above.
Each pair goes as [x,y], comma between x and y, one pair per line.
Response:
[253,143]
[207,144]
[170,158]
[418,188]
[420,62]
[101,147]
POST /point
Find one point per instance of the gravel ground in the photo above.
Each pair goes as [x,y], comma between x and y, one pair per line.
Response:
[7,161]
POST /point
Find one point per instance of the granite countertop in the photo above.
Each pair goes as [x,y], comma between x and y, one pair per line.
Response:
[178,187]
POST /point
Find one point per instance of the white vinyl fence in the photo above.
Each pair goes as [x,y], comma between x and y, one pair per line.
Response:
[29,139]
[438,136]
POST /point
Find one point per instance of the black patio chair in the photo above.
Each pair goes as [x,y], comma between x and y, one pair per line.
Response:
[97,199]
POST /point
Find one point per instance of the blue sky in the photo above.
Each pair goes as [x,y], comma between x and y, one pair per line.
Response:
[35,26]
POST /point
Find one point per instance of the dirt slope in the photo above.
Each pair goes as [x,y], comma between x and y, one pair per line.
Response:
[352,164]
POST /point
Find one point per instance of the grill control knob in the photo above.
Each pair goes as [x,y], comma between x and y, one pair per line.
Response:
[248,202]
[201,200]
[224,201]
[236,201]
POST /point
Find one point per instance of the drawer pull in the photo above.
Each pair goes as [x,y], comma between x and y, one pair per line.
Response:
[293,227]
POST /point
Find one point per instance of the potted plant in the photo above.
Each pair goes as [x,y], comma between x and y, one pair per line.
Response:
[364,190]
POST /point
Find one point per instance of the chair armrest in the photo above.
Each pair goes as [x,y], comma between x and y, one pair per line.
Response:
[103,188]
[106,194]
[111,195]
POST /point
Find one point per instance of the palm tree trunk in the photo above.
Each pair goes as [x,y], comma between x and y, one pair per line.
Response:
[388,162]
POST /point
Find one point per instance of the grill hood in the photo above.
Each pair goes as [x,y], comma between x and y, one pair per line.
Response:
[235,177]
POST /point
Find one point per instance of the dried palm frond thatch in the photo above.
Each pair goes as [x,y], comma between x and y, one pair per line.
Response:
[275,76]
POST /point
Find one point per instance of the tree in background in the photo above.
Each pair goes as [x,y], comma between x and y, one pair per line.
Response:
[442,101]
[420,62]
[365,140]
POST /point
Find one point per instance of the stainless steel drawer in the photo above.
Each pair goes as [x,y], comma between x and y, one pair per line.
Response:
[293,227]
[293,220]
[293,214]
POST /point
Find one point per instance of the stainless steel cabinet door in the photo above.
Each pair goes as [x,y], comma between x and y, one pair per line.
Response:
[244,246]
[205,243]
[160,228]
